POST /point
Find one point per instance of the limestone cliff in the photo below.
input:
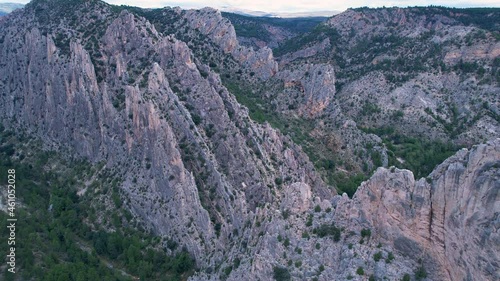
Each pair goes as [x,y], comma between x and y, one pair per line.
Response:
[194,167]
[138,94]
[448,220]
[445,226]
[211,23]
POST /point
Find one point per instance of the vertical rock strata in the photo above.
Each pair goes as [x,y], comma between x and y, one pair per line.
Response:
[107,86]
[449,220]
[194,167]
[220,30]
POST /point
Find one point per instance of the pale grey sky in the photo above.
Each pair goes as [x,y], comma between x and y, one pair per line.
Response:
[295,5]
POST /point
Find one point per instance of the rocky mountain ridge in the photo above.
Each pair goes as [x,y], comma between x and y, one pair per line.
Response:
[154,95]
[399,74]
[445,219]
[373,69]
[162,135]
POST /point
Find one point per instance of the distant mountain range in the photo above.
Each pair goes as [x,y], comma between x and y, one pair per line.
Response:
[279,14]
[6,8]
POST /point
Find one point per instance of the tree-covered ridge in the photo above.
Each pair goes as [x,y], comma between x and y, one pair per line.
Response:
[485,18]
[317,34]
[73,225]
[418,155]
[247,26]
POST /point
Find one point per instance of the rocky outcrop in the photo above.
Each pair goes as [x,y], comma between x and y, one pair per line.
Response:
[484,51]
[194,167]
[219,29]
[449,220]
[305,53]
[404,22]
[240,196]
[446,224]
[309,88]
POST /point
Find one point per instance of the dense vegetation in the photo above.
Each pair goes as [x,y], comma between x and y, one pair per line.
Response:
[418,155]
[247,26]
[319,33]
[63,235]
[281,274]
[299,130]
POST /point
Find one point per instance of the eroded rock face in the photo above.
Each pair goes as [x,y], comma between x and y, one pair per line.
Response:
[189,157]
[297,198]
[311,87]
[305,53]
[211,23]
[450,221]
[196,169]
[406,22]
[485,51]
[446,224]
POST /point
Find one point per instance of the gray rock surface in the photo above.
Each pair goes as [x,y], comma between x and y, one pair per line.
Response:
[240,196]
[310,88]
[194,167]
[211,23]
[448,220]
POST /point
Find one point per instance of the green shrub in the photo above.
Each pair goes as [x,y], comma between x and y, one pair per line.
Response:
[281,274]
[286,214]
[298,250]
[328,230]
[278,181]
[366,232]
[196,119]
[309,221]
[377,256]
[389,258]
[228,270]
[420,273]
[286,243]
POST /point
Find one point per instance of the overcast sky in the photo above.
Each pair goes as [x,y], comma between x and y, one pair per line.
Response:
[296,5]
